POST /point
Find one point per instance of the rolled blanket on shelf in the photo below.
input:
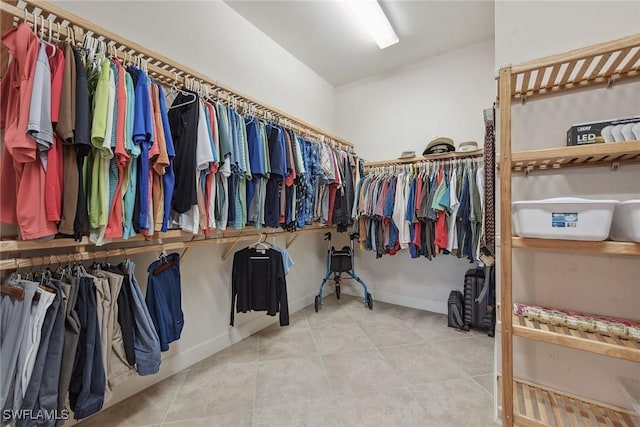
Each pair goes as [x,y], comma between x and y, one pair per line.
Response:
[587,322]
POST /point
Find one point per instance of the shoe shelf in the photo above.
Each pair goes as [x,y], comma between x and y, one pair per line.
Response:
[573,338]
[537,406]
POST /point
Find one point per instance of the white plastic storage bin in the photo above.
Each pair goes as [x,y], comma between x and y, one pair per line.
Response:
[567,218]
[626,221]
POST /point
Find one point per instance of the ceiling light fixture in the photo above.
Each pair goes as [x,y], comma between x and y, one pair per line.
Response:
[374,20]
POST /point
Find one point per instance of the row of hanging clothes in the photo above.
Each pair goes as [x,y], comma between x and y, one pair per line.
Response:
[94,146]
[429,208]
[71,334]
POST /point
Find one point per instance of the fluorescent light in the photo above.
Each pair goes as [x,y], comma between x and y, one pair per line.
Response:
[373,19]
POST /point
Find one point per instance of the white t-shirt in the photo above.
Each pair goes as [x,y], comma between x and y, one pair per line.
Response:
[399,212]
[204,154]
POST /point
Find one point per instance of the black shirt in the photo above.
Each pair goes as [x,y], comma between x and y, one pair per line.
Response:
[183,120]
[258,283]
[126,317]
[82,142]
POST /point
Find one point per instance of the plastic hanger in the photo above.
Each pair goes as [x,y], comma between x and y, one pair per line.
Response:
[175,89]
[54,48]
[262,242]
[40,33]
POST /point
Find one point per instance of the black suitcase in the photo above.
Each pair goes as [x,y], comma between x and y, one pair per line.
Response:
[455,310]
[476,291]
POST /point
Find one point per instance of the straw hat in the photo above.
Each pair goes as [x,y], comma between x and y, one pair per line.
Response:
[439,145]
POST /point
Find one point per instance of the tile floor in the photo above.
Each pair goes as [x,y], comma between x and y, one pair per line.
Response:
[344,366]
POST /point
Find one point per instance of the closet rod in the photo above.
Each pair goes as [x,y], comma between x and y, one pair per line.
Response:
[160,67]
[36,261]
[424,159]
[45,260]
[37,245]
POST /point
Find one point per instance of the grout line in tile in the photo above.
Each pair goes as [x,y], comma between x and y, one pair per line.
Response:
[381,355]
[255,389]
[477,382]
[402,345]
[175,396]
[315,344]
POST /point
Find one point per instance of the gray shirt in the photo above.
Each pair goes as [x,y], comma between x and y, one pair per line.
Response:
[40,127]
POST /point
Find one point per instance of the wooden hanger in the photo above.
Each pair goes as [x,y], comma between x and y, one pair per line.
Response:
[166,263]
[13,291]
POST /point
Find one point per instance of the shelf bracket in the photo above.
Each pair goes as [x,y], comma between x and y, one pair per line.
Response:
[290,242]
[611,82]
[523,99]
[614,166]
[226,253]
[186,250]
[528,170]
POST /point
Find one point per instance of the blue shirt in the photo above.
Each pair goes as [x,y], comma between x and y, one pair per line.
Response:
[254,143]
[168,179]
[235,148]
[277,151]
[143,136]
[287,262]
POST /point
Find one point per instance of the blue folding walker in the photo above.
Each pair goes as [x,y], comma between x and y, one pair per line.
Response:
[338,262]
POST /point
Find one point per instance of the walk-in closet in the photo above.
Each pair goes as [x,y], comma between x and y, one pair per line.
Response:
[319,213]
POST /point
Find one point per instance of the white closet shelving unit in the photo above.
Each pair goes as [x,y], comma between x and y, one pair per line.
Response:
[525,403]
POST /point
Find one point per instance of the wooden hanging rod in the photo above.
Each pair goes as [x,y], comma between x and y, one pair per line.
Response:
[100,253]
[430,158]
[160,67]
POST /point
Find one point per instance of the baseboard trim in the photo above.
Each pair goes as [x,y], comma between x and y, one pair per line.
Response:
[397,299]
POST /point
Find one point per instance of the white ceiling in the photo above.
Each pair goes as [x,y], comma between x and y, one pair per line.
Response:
[323,34]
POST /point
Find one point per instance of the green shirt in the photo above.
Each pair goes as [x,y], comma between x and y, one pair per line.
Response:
[100,105]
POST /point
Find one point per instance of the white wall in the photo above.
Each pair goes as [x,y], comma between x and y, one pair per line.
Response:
[528,30]
[213,39]
[406,108]
[603,284]
[401,111]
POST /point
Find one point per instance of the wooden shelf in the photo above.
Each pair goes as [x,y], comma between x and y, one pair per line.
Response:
[601,64]
[590,155]
[590,66]
[595,343]
[535,405]
[430,158]
[605,247]
[37,245]
[71,251]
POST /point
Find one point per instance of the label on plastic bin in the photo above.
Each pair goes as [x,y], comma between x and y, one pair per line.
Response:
[564,219]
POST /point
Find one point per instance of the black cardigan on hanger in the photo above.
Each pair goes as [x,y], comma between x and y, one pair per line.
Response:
[258,283]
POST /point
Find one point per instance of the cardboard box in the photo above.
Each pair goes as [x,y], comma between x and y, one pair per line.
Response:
[591,133]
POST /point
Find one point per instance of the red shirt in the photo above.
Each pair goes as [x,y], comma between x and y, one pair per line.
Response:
[22,178]
[442,234]
[15,92]
[114,224]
